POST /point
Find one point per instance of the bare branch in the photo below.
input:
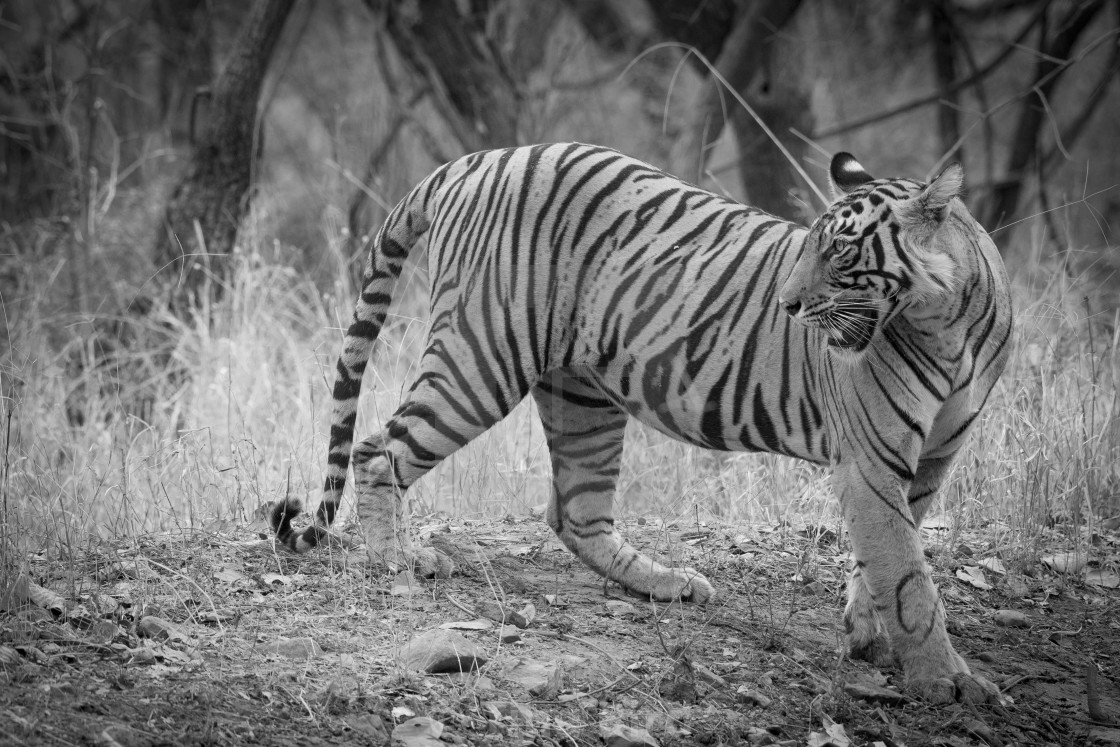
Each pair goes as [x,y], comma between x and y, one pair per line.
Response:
[961,84]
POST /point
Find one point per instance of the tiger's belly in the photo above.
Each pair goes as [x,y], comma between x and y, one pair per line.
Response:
[722,403]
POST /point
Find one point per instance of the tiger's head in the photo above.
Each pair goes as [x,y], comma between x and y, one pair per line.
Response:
[879,249]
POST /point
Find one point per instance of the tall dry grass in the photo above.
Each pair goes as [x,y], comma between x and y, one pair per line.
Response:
[201,421]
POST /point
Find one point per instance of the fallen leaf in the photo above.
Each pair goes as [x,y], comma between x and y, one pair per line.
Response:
[995,565]
[973,576]
[230,576]
[1103,578]
[833,735]
[1065,562]
[620,735]
[479,624]
[403,584]
[418,732]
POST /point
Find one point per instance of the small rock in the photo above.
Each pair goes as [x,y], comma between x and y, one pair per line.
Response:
[528,613]
[530,674]
[1011,619]
[874,693]
[1103,736]
[751,697]
[619,608]
[498,613]
[293,648]
[708,675]
[418,732]
[516,712]
[759,736]
[509,634]
[159,629]
[815,588]
[103,632]
[439,651]
[620,735]
[551,688]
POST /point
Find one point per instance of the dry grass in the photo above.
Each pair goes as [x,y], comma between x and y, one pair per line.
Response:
[205,420]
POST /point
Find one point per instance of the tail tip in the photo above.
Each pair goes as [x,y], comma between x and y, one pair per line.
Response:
[283,513]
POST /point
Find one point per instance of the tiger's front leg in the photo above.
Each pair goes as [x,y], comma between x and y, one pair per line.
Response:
[891,586]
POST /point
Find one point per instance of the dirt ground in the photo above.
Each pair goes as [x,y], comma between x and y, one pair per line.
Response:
[215,638]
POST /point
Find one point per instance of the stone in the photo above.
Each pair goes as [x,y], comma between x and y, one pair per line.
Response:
[293,648]
[751,697]
[620,735]
[159,629]
[440,651]
[418,732]
[1011,619]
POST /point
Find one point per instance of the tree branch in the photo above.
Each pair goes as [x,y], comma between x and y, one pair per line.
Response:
[1052,57]
[959,85]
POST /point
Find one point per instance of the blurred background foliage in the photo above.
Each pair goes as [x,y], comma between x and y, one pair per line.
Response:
[309,119]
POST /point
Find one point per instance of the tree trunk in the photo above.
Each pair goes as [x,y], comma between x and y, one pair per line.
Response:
[205,208]
[745,61]
[452,51]
[1024,147]
[184,63]
[944,33]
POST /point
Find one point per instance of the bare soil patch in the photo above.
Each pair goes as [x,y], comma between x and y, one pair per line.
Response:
[215,638]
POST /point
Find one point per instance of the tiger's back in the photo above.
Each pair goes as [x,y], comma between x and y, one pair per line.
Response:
[595,259]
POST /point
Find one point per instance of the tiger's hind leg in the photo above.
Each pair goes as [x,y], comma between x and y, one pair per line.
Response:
[585,432]
[437,418]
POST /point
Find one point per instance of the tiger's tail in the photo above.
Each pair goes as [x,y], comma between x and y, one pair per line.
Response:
[404,226]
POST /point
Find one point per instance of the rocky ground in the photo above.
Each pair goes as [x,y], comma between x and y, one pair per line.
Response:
[215,638]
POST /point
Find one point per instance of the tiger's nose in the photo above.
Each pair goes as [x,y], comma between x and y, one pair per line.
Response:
[791,307]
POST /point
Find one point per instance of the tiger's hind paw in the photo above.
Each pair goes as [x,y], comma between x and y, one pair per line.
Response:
[959,687]
[425,562]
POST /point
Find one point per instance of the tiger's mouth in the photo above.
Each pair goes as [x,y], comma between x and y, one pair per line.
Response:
[852,328]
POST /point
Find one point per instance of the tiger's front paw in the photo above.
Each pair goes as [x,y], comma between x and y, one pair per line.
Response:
[671,584]
[425,562]
[959,687]
[876,651]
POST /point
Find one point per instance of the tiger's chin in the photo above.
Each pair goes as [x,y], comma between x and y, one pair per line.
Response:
[854,332]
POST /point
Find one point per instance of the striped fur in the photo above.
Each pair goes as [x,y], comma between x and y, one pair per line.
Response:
[608,289]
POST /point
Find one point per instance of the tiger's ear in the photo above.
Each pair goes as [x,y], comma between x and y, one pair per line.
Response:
[846,174]
[924,213]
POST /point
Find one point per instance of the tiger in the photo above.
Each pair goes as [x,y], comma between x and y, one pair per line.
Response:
[609,289]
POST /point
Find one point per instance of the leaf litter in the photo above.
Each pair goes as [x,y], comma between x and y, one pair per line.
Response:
[230,640]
